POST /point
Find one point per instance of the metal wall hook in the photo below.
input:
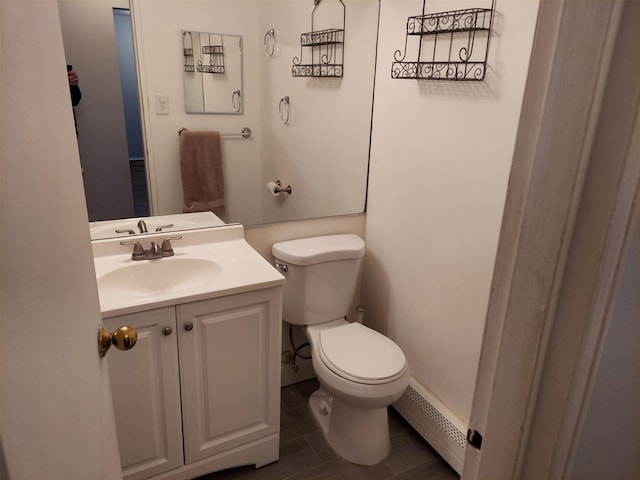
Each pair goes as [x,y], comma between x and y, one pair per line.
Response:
[284,109]
[236,100]
[270,42]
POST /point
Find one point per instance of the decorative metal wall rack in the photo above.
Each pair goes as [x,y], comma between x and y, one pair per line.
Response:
[216,58]
[326,48]
[451,46]
[187,46]
[215,52]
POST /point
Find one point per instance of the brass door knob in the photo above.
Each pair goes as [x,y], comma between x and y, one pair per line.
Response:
[123,338]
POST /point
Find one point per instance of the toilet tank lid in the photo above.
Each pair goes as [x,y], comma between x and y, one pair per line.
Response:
[312,250]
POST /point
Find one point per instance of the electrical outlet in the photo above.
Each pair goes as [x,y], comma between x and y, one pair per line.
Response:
[162,104]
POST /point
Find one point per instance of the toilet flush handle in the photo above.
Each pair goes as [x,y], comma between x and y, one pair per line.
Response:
[282,267]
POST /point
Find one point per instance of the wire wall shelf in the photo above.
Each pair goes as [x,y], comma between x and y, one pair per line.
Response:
[208,68]
[325,49]
[187,48]
[216,59]
[451,45]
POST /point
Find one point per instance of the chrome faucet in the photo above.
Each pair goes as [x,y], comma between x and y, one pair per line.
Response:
[142,226]
[154,251]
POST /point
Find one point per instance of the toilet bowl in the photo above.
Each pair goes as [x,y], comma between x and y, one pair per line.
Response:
[351,404]
[360,371]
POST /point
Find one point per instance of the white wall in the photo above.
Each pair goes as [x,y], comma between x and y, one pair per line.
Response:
[440,161]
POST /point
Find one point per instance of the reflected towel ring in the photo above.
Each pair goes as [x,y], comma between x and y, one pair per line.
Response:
[270,42]
[285,113]
[236,100]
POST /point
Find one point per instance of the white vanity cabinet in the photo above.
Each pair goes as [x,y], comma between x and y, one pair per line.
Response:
[145,386]
[230,372]
[204,374]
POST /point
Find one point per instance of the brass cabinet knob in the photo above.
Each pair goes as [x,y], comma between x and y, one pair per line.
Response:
[188,326]
[123,338]
[166,331]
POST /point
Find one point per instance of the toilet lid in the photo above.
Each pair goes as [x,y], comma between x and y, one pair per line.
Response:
[360,354]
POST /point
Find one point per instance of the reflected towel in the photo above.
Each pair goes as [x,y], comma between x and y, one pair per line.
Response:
[201,169]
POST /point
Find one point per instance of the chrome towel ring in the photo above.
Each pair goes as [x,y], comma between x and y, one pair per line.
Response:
[284,109]
[236,100]
[270,42]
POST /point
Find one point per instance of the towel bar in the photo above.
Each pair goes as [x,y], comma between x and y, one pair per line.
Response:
[244,133]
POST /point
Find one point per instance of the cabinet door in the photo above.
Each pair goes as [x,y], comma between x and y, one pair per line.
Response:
[230,371]
[146,395]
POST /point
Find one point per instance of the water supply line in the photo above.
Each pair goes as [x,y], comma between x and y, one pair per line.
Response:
[296,350]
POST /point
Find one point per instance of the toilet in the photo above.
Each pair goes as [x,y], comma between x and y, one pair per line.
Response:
[360,371]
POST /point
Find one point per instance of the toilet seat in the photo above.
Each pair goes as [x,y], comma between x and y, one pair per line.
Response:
[360,354]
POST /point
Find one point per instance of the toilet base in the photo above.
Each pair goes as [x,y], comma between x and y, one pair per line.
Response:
[358,435]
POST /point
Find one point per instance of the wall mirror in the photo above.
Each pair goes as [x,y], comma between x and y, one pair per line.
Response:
[322,151]
[212,66]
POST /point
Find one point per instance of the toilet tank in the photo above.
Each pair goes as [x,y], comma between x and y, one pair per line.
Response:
[321,276]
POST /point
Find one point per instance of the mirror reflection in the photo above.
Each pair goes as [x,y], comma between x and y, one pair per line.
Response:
[212,72]
[126,227]
[99,47]
[321,152]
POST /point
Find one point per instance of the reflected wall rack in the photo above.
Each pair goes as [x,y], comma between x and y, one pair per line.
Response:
[452,45]
[216,59]
[325,47]
[187,48]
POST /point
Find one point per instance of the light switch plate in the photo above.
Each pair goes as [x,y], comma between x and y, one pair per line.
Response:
[162,104]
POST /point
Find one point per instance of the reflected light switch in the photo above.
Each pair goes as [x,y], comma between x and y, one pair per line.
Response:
[162,104]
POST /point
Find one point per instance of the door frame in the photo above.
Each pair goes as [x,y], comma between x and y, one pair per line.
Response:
[573,184]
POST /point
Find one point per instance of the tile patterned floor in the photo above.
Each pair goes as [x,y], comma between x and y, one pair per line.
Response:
[304,454]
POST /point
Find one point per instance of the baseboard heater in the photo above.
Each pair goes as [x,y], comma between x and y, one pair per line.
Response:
[436,423]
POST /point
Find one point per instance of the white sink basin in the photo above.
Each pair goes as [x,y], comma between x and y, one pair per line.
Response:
[207,263]
[159,277]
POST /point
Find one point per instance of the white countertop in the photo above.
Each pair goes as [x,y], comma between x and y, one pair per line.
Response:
[238,268]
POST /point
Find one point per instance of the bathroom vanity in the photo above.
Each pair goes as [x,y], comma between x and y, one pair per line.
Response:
[200,390]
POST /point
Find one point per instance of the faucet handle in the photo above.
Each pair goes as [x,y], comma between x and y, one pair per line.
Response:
[154,250]
[167,249]
[125,230]
[138,250]
[169,225]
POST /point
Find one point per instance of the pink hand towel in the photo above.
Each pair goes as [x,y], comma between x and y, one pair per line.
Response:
[201,169]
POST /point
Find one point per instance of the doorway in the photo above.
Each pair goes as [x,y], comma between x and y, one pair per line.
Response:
[131,105]
[109,140]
